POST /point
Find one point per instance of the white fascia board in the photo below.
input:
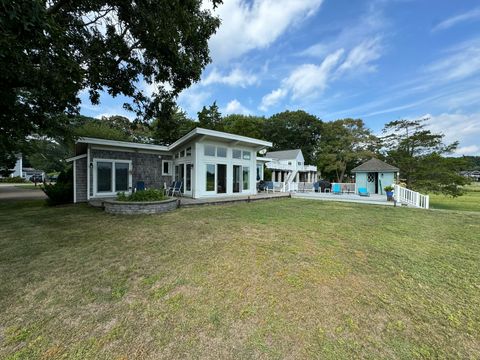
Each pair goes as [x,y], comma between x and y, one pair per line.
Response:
[124,144]
[81,156]
[264,159]
[260,144]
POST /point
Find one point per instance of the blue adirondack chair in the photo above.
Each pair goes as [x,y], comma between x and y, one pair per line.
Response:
[363,192]
[336,189]
[268,186]
[140,185]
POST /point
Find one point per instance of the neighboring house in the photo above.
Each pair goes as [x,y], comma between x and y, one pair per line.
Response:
[374,175]
[473,174]
[209,163]
[289,166]
[25,172]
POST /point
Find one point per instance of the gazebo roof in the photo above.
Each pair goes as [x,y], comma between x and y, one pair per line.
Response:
[375,165]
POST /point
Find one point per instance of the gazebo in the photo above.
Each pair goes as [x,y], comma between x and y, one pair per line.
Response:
[374,175]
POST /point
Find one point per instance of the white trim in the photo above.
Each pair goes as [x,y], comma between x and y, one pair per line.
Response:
[113,161]
[88,172]
[265,159]
[73,158]
[123,144]
[170,168]
[75,181]
[219,134]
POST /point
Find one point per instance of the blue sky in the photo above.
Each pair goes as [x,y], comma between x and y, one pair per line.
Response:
[376,60]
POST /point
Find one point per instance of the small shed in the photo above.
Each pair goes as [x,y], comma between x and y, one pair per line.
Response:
[375,175]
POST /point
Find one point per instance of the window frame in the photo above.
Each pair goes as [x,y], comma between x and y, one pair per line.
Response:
[209,146]
[170,167]
[95,162]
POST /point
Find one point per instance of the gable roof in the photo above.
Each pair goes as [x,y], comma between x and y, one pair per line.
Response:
[284,154]
[375,165]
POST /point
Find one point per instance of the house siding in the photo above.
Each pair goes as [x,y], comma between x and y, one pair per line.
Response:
[81,179]
[146,167]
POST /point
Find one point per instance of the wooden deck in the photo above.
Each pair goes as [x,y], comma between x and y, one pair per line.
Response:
[374,199]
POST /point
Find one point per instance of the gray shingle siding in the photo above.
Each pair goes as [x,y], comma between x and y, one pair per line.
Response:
[81,179]
[145,167]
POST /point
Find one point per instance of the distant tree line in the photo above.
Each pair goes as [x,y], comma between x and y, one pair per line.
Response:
[335,147]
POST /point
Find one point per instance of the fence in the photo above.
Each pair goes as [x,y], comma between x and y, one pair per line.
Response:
[410,197]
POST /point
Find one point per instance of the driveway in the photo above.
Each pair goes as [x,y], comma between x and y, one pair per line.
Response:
[11,192]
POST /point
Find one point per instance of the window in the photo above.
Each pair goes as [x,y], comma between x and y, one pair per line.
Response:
[177,155]
[236,154]
[182,153]
[210,177]
[289,163]
[246,155]
[221,152]
[209,150]
[221,179]
[188,178]
[300,163]
[246,178]
[111,176]
[189,151]
[121,177]
[166,167]
[104,176]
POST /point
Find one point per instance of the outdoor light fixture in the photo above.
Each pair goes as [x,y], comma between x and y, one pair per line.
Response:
[91,165]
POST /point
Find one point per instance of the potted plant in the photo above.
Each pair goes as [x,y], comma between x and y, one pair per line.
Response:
[389,190]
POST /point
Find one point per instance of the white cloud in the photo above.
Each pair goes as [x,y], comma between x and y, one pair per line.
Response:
[473,14]
[272,98]
[462,127]
[237,77]
[360,57]
[255,25]
[461,62]
[235,107]
[193,99]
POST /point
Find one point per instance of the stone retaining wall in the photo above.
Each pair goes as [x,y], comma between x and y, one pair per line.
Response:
[132,208]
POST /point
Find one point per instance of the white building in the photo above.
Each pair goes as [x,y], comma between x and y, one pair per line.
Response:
[289,166]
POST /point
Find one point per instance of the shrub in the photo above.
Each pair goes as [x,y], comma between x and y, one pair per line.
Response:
[143,195]
[15,179]
[62,191]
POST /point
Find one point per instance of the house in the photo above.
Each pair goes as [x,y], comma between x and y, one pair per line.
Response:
[289,166]
[374,175]
[209,163]
[25,172]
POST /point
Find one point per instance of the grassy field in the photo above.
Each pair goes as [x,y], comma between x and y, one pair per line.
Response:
[470,201]
[270,280]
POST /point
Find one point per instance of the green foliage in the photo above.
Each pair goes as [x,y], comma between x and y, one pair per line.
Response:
[417,152]
[143,195]
[344,144]
[245,125]
[12,180]
[172,127]
[210,118]
[388,188]
[62,191]
[52,50]
[294,130]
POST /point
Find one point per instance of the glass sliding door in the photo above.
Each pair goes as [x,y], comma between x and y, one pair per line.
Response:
[104,176]
[246,178]
[221,179]
[237,169]
[121,177]
[188,178]
[210,177]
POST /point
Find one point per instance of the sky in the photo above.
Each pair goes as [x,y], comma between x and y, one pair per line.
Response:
[378,60]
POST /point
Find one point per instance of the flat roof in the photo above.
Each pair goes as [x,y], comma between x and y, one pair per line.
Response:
[125,144]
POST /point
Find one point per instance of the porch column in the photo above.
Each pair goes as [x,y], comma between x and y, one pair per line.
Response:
[308,177]
[273,175]
[297,177]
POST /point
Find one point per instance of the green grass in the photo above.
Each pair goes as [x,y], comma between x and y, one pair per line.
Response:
[270,280]
[470,201]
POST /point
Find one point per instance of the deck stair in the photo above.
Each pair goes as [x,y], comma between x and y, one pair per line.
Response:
[412,198]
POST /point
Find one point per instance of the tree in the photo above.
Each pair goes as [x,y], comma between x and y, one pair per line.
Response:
[210,118]
[294,130]
[344,144]
[417,152]
[167,130]
[52,50]
[245,125]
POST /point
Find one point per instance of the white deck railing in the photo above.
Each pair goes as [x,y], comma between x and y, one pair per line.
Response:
[410,197]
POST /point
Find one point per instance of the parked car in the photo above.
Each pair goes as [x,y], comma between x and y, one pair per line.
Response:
[36,178]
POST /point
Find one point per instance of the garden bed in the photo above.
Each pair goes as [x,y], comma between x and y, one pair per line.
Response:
[139,207]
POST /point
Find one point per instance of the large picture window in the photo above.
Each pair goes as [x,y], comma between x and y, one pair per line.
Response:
[121,176]
[104,176]
[210,177]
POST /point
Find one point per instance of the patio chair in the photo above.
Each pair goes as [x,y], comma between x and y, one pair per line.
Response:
[336,189]
[268,186]
[178,188]
[140,186]
[169,190]
[363,192]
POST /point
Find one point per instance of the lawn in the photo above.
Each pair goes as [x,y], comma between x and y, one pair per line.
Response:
[274,279]
[470,201]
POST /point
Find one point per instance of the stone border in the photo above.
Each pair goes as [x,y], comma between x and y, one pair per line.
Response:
[139,207]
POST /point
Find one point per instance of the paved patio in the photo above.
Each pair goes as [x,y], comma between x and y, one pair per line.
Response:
[372,199]
[187,202]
